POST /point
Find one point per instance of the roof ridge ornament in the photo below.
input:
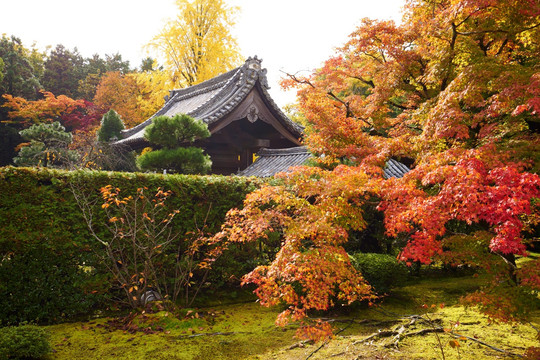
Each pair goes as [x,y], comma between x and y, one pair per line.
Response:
[253,71]
[253,63]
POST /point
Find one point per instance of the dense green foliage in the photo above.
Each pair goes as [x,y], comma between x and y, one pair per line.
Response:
[188,160]
[48,146]
[381,271]
[1,70]
[111,125]
[63,71]
[39,218]
[24,342]
[43,284]
[19,74]
[171,133]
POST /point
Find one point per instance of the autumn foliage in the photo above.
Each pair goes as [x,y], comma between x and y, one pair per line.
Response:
[452,91]
[311,271]
[143,249]
[73,114]
[198,45]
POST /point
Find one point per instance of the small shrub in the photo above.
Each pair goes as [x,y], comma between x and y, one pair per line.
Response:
[41,285]
[24,342]
[381,271]
[173,134]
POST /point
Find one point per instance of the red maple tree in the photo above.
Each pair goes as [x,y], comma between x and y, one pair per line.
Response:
[454,91]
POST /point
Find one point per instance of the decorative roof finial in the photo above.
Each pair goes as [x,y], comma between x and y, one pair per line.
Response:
[253,63]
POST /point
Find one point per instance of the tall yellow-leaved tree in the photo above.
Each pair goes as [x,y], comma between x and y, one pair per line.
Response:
[152,87]
[198,45]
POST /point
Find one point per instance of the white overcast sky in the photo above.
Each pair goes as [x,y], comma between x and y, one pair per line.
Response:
[289,35]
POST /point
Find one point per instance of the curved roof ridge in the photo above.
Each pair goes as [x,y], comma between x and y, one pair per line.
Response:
[207,83]
[215,98]
[245,79]
[225,84]
[180,97]
[286,151]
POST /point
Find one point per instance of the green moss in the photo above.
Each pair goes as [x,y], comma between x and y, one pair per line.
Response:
[248,331]
[468,322]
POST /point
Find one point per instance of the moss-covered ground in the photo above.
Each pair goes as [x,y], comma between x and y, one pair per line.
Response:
[246,331]
[221,332]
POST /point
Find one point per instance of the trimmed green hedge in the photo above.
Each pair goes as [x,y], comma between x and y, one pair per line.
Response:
[41,223]
[381,271]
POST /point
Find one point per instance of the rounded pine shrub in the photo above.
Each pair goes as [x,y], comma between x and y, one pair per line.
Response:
[189,160]
[171,132]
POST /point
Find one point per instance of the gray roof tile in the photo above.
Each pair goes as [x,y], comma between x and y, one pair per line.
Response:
[273,161]
[395,169]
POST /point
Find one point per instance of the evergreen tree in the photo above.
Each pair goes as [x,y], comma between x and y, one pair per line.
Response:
[115,63]
[147,64]
[172,134]
[20,69]
[111,125]
[1,70]
[48,146]
[19,77]
[63,70]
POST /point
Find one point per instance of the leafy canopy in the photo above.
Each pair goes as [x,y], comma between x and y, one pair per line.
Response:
[198,44]
[119,92]
[453,91]
[74,114]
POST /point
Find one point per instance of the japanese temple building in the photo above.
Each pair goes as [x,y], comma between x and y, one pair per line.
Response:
[241,117]
[244,122]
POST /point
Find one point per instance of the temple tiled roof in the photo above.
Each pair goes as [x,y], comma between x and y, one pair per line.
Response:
[214,99]
[395,169]
[273,161]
